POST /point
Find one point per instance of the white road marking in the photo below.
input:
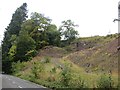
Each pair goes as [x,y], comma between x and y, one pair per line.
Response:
[9,79]
[19,86]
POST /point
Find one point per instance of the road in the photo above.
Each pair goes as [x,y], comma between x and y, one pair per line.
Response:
[9,81]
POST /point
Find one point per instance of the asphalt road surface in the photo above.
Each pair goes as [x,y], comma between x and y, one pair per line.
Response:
[0,81]
[9,81]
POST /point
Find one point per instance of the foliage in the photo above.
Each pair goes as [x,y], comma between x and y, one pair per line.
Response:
[23,38]
[118,86]
[105,81]
[53,35]
[18,18]
[77,82]
[68,31]
[25,47]
[53,70]
[37,69]
[7,66]
[13,29]
[40,24]
[65,76]
[18,66]
[47,60]
[12,52]
[42,31]
[56,78]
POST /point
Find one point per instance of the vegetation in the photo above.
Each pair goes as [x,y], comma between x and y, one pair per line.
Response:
[23,38]
[33,49]
[105,82]
[10,35]
[67,30]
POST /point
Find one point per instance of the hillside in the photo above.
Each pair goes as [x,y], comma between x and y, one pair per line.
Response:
[98,55]
[87,57]
[94,54]
[36,49]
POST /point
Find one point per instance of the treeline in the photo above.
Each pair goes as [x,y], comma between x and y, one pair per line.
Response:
[25,36]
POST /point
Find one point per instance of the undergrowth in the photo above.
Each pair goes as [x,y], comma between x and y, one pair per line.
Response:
[63,77]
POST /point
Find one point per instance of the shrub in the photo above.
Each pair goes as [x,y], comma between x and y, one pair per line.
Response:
[31,54]
[105,81]
[18,66]
[47,60]
[31,78]
[77,82]
[53,70]
[81,83]
[37,68]
[118,85]
[66,76]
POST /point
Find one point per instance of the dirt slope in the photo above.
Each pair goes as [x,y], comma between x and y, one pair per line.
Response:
[99,58]
[94,54]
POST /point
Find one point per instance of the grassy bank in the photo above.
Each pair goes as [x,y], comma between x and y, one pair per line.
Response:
[93,64]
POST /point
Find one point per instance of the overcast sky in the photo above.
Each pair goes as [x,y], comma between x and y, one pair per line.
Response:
[94,17]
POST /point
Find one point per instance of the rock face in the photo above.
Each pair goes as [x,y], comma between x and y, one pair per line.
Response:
[83,45]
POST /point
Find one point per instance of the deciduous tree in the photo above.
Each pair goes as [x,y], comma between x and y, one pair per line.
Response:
[68,31]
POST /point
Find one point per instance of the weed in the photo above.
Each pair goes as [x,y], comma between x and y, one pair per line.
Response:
[37,68]
[77,82]
[53,70]
[66,75]
[47,60]
[105,81]
[18,66]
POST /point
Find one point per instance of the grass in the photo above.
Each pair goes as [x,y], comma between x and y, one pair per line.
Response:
[53,79]
[62,68]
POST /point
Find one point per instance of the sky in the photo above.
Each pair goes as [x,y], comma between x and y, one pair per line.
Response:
[94,17]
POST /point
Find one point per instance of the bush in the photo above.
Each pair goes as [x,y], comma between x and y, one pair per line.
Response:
[18,66]
[77,82]
[31,54]
[66,76]
[36,69]
[105,81]
[53,70]
[118,84]
[81,83]
[47,60]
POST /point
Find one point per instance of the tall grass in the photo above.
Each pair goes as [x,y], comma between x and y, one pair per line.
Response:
[37,68]
[65,78]
[105,81]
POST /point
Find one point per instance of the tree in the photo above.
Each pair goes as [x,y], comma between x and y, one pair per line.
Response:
[18,18]
[25,47]
[40,20]
[39,32]
[68,31]
[53,35]
[44,33]
[14,27]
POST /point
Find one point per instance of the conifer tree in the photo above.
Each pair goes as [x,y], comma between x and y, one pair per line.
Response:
[13,28]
